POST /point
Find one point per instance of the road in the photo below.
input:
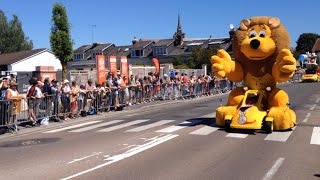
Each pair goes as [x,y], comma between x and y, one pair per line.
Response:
[172,141]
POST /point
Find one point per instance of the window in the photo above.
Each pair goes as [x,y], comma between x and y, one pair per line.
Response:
[94,54]
[137,53]
[160,51]
[78,57]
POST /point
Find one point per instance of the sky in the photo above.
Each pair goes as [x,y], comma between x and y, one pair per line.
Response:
[118,22]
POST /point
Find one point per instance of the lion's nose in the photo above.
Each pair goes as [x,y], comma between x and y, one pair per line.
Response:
[255,44]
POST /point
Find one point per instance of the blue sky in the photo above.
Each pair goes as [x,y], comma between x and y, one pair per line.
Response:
[119,21]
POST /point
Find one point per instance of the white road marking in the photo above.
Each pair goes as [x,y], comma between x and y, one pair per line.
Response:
[313,106]
[171,129]
[307,117]
[236,135]
[129,115]
[205,130]
[148,126]
[315,138]
[96,126]
[273,169]
[210,115]
[317,101]
[174,128]
[71,127]
[127,154]
[80,159]
[123,125]
[279,136]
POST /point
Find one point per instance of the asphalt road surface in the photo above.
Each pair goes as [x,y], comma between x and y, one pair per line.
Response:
[168,141]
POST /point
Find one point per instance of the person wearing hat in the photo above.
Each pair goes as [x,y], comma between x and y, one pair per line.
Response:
[65,99]
[13,96]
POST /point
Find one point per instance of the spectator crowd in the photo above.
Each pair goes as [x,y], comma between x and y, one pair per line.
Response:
[54,100]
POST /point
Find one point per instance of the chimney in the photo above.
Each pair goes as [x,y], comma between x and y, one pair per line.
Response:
[134,40]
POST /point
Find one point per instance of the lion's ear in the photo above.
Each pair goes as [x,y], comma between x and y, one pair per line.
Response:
[244,24]
[274,22]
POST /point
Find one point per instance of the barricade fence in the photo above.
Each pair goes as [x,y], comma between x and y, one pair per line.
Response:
[59,107]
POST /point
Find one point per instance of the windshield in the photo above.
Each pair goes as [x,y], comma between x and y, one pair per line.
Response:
[252,99]
[311,71]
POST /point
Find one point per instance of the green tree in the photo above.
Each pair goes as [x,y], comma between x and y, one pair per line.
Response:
[12,37]
[60,39]
[177,61]
[201,56]
[305,42]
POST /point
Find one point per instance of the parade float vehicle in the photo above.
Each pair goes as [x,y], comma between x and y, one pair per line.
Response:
[311,75]
[251,113]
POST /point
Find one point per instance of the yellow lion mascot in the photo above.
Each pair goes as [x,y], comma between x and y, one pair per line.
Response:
[261,59]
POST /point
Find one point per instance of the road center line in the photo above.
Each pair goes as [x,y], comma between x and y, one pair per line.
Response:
[127,154]
[273,169]
[307,117]
[313,106]
[317,101]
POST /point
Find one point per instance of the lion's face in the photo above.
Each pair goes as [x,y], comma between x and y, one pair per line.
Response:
[259,39]
[258,44]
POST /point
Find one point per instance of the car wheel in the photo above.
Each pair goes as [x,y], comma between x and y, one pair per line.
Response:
[268,127]
[227,124]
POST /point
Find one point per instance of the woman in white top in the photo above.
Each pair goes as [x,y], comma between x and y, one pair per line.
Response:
[13,96]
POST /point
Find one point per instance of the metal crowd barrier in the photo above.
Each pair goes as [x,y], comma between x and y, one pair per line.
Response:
[61,106]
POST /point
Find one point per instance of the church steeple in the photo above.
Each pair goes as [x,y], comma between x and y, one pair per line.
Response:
[179,25]
[179,35]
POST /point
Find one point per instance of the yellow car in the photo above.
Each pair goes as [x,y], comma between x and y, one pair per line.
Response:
[251,114]
[311,77]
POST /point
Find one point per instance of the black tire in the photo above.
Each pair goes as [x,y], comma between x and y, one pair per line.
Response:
[267,127]
[227,124]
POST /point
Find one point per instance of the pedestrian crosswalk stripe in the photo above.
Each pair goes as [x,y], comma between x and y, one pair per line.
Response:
[174,128]
[315,138]
[171,129]
[123,125]
[96,126]
[205,130]
[236,135]
[71,127]
[148,126]
[279,136]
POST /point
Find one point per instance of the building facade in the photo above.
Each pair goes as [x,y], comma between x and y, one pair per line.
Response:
[141,51]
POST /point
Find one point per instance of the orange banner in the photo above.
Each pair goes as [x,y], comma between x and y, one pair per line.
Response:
[101,68]
[113,64]
[124,66]
[157,65]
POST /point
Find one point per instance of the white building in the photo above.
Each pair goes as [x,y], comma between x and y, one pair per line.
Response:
[28,60]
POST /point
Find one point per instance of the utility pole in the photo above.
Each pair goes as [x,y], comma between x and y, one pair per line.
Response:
[92,26]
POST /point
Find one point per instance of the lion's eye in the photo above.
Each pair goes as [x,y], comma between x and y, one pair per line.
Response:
[262,33]
[252,34]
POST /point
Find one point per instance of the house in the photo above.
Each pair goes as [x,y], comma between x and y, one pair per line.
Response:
[143,50]
[29,60]
[316,47]
[84,57]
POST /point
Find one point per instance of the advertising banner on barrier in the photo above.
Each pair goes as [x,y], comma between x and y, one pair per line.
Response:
[113,64]
[124,66]
[101,68]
